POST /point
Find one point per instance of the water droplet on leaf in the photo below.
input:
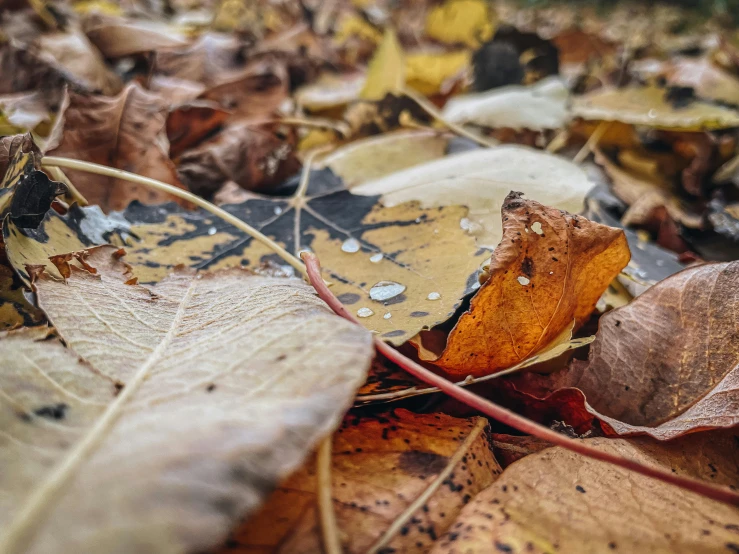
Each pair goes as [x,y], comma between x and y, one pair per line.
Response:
[350,246]
[433,296]
[385,290]
[364,312]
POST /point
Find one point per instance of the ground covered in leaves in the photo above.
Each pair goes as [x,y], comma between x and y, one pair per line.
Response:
[536,201]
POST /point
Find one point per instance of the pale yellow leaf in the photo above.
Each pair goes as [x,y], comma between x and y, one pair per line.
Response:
[173,412]
[386,73]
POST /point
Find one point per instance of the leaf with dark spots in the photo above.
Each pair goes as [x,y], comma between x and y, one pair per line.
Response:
[665,365]
[408,470]
[554,500]
[549,270]
[388,263]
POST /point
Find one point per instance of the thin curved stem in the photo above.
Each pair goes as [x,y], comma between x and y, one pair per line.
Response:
[508,417]
[329,528]
[89,167]
[429,108]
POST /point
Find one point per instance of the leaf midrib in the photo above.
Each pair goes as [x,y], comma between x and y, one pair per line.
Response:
[18,532]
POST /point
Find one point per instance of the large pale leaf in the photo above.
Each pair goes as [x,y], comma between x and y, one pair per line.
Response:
[173,412]
[481,179]
[401,475]
[549,269]
[559,501]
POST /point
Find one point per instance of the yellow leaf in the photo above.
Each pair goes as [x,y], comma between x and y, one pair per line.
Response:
[460,21]
[647,106]
[386,69]
[98,7]
[354,26]
[427,73]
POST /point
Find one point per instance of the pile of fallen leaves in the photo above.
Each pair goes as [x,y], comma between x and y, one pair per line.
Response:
[539,204]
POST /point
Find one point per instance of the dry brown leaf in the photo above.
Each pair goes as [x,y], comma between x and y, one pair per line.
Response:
[117,38]
[400,269]
[214,58]
[549,269]
[256,158]
[190,123]
[124,132]
[558,501]
[214,387]
[413,471]
[645,196]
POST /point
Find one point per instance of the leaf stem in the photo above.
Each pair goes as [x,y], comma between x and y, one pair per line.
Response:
[430,109]
[89,167]
[329,528]
[508,417]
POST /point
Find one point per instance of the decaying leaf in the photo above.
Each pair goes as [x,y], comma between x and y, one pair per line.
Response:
[400,475]
[256,158]
[212,388]
[124,132]
[648,106]
[400,269]
[549,269]
[386,73]
[118,37]
[537,107]
[558,501]
[16,310]
[481,179]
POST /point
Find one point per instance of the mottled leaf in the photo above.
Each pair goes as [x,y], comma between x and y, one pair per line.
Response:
[559,501]
[416,470]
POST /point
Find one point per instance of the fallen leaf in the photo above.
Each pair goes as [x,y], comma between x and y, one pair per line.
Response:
[648,106]
[381,155]
[644,195]
[116,38]
[386,72]
[398,474]
[189,124]
[537,107]
[708,81]
[549,269]
[16,310]
[556,500]
[330,91]
[256,158]
[74,54]
[435,72]
[481,179]
[380,260]
[25,111]
[214,389]
[124,132]
[665,365]
[467,22]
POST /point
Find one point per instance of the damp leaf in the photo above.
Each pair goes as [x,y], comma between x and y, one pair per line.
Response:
[398,475]
[556,500]
[549,269]
[194,397]
[401,269]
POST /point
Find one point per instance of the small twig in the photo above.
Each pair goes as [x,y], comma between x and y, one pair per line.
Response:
[400,521]
[592,142]
[329,528]
[430,109]
[508,417]
[89,167]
